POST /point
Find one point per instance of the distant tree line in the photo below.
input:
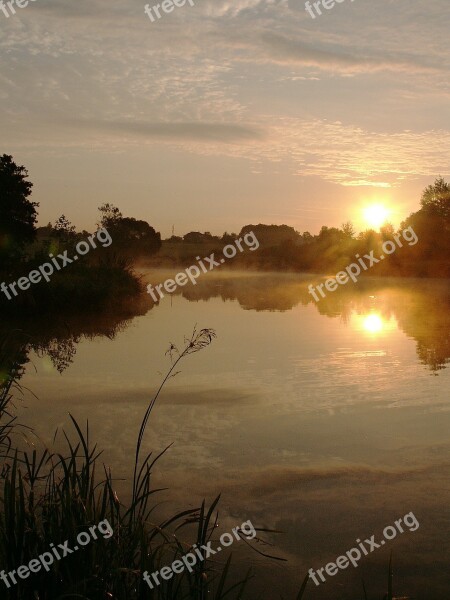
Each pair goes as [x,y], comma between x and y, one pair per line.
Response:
[333,248]
[281,246]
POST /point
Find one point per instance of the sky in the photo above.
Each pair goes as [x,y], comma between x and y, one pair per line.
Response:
[227,113]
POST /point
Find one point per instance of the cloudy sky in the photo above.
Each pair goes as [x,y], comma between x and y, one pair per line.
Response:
[227,112]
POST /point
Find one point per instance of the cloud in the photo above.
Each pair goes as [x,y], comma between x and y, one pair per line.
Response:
[345,154]
[291,50]
[217,132]
[250,79]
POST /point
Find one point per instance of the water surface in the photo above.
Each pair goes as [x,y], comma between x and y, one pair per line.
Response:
[328,421]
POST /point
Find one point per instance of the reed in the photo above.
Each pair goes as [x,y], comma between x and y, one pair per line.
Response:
[49,497]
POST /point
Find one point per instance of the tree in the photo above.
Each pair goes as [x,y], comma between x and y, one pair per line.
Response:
[64,228]
[348,230]
[331,235]
[63,225]
[435,199]
[63,233]
[387,231]
[194,237]
[110,215]
[131,237]
[272,235]
[228,238]
[18,215]
[135,237]
[431,224]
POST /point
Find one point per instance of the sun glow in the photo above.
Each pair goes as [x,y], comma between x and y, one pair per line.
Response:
[373,323]
[375,215]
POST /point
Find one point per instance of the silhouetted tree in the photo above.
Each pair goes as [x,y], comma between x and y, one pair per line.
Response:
[272,235]
[110,215]
[228,238]
[349,230]
[430,256]
[17,214]
[63,230]
[63,225]
[195,237]
[131,237]
[435,200]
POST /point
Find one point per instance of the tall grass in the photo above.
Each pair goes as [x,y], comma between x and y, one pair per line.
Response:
[7,424]
[50,497]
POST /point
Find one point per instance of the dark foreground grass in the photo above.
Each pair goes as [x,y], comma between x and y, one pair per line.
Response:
[48,498]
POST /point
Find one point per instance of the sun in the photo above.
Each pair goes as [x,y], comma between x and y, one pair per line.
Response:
[376,215]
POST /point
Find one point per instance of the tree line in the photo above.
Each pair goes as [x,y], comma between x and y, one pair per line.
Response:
[281,246]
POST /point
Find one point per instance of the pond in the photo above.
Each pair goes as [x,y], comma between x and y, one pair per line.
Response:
[327,421]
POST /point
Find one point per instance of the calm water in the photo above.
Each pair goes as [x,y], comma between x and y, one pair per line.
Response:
[328,421]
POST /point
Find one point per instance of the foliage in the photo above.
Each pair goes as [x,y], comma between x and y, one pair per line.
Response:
[348,230]
[133,238]
[110,215]
[17,214]
[436,200]
[63,229]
